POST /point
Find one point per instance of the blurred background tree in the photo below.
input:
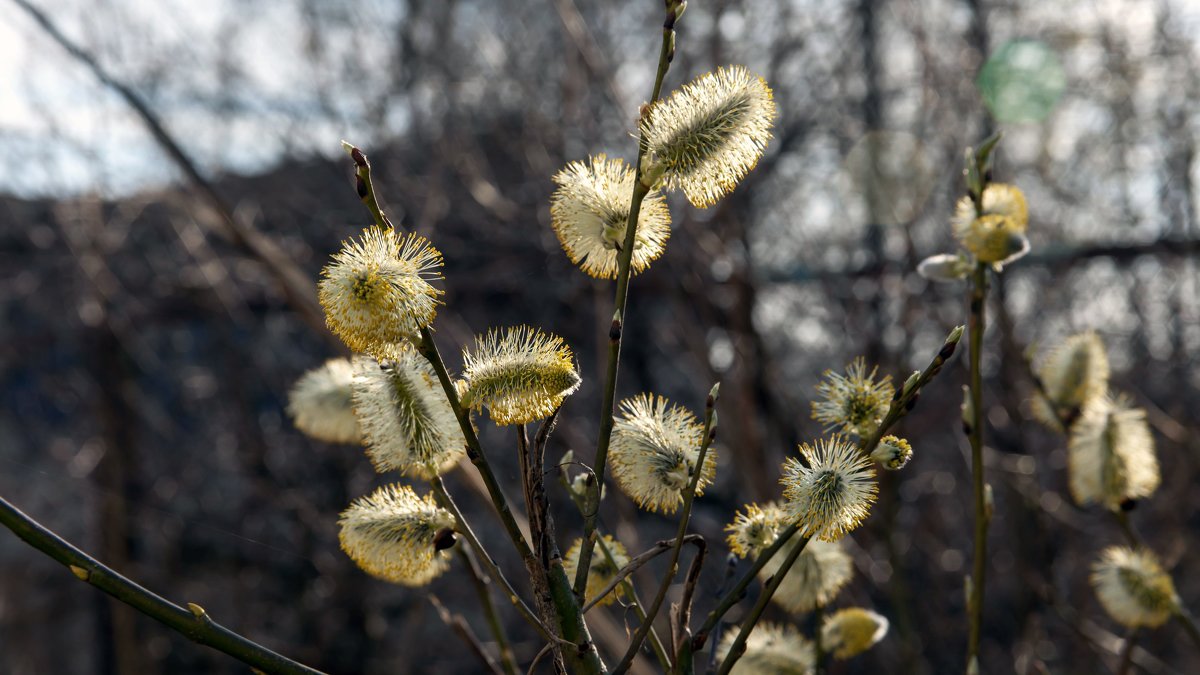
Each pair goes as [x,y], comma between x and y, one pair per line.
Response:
[148,339]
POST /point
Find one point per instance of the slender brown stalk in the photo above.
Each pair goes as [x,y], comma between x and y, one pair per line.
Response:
[974,429]
[193,623]
[639,610]
[739,643]
[1127,648]
[624,258]
[482,583]
[464,528]
[458,624]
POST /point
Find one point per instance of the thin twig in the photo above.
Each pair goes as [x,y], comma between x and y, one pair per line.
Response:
[1127,652]
[634,564]
[639,610]
[974,430]
[624,259]
[682,618]
[295,283]
[459,625]
[481,581]
[195,625]
[1189,625]
[739,642]
[735,594]
[464,528]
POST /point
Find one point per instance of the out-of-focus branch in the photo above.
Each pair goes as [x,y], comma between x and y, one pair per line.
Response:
[295,283]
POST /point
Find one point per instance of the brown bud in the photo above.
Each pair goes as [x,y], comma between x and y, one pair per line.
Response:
[444,539]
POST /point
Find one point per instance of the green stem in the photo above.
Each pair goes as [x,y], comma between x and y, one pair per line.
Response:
[624,259]
[195,625]
[978,323]
[689,496]
[482,582]
[583,658]
[739,643]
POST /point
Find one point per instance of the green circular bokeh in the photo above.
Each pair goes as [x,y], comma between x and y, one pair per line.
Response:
[1022,81]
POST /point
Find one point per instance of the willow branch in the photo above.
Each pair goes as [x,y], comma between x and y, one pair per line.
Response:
[904,401]
[624,259]
[195,625]
[297,287]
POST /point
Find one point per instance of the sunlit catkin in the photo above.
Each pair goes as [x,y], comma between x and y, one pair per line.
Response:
[603,571]
[1110,455]
[892,453]
[820,572]
[1133,587]
[833,493]
[654,450]
[321,403]
[754,528]
[376,292]
[855,402]
[407,422]
[852,631]
[590,210]
[771,649]
[397,536]
[520,374]
[1073,374]
[710,133]
[997,235]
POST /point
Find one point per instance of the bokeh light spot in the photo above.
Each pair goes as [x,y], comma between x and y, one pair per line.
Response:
[1022,81]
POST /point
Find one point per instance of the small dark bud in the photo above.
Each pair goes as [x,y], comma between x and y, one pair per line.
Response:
[614,331]
[976,305]
[698,641]
[912,402]
[585,647]
[947,351]
[966,429]
[359,158]
[1128,505]
[360,186]
[712,434]
[444,539]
